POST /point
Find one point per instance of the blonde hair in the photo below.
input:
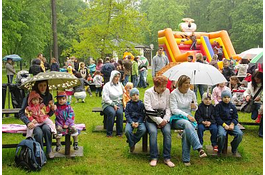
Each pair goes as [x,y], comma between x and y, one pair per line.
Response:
[199,56]
[215,57]
[129,84]
[182,79]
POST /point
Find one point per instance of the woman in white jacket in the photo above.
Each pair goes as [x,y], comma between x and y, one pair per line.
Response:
[112,103]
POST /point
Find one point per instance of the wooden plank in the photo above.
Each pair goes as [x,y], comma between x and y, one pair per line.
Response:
[249,123]
[97,109]
[11,111]
[15,145]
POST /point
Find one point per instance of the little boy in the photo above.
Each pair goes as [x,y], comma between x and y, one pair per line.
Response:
[98,80]
[64,120]
[205,117]
[134,114]
[227,120]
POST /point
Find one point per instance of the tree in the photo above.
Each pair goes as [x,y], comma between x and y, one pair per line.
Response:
[104,22]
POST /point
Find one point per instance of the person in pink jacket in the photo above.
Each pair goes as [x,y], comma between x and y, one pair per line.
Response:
[217,91]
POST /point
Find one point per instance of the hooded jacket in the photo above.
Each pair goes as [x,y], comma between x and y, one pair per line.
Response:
[64,115]
[35,68]
[112,93]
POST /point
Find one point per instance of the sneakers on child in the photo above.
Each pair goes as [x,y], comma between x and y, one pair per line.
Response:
[75,146]
[58,147]
[202,153]
[187,163]
[132,149]
[215,148]
[51,155]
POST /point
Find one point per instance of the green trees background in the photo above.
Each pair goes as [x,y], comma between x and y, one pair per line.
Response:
[93,29]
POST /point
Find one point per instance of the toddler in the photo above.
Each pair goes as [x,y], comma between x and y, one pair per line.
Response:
[64,120]
[98,80]
[227,120]
[37,112]
[205,117]
[134,114]
[126,95]
[216,96]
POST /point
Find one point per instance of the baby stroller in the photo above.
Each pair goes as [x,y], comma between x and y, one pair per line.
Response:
[22,76]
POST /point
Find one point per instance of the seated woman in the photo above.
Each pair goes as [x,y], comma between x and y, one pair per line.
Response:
[112,103]
[182,102]
[156,99]
[43,131]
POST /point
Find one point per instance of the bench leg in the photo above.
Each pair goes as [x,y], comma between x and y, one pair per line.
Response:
[144,142]
[67,144]
[225,145]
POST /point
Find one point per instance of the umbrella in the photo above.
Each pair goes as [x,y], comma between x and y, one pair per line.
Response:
[251,53]
[199,73]
[258,58]
[56,80]
[14,57]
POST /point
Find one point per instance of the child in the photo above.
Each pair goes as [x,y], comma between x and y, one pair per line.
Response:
[37,112]
[205,117]
[134,114]
[79,91]
[234,83]
[227,120]
[98,80]
[64,120]
[83,70]
[217,91]
[126,94]
[227,70]
[54,65]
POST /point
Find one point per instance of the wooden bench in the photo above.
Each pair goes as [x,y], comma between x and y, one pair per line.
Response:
[10,111]
[144,138]
[17,128]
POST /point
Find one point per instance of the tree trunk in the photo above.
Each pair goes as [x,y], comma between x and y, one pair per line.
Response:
[54,30]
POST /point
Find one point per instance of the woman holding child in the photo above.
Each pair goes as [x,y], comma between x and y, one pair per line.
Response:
[182,102]
[43,131]
[156,101]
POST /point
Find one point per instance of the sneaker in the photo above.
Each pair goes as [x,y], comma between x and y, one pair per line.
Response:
[235,154]
[132,149]
[75,145]
[215,148]
[109,135]
[51,155]
[153,163]
[202,153]
[58,147]
[169,163]
[187,163]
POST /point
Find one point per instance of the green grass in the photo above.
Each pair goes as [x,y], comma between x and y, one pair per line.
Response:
[104,155]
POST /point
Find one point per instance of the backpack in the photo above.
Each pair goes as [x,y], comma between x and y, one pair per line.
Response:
[29,155]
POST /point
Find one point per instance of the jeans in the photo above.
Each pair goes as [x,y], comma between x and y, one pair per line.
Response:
[222,136]
[135,80]
[10,79]
[133,138]
[98,90]
[261,127]
[254,114]
[111,113]
[189,138]
[201,89]
[142,81]
[126,80]
[213,130]
[41,132]
[152,129]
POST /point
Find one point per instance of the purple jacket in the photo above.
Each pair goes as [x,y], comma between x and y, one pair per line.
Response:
[64,115]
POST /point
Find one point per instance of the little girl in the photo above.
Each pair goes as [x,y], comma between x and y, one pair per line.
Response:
[217,91]
[126,95]
[64,120]
[37,112]
[98,80]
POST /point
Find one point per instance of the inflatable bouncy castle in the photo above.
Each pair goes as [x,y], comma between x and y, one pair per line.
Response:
[179,45]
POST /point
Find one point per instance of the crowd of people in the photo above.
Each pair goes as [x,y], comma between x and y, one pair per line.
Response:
[164,107]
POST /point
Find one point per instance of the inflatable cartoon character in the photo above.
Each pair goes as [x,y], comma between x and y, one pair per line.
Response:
[188,26]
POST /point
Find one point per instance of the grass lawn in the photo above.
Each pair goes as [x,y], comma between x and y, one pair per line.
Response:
[104,155]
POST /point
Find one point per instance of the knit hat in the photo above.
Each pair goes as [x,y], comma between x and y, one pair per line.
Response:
[33,94]
[61,94]
[134,91]
[244,82]
[206,95]
[226,93]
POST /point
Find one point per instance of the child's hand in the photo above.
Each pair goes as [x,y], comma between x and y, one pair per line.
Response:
[226,127]
[231,126]
[136,124]
[208,123]
[34,121]
[65,126]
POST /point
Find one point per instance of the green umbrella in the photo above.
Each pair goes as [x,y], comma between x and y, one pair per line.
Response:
[258,58]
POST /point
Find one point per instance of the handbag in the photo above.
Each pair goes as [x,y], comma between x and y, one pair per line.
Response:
[249,106]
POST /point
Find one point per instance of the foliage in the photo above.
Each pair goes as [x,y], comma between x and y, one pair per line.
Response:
[105,22]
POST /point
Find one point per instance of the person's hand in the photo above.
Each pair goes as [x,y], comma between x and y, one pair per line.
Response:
[231,126]
[204,123]
[248,98]
[208,123]
[133,124]
[34,121]
[116,107]
[192,105]
[192,119]
[257,98]
[163,123]
[226,127]
[65,126]
[31,125]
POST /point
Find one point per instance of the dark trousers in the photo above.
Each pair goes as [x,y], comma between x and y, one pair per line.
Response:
[10,79]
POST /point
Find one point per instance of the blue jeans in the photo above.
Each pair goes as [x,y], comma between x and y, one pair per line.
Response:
[201,89]
[222,136]
[111,113]
[126,80]
[43,131]
[98,90]
[133,138]
[261,127]
[254,114]
[142,81]
[152,129]
[135,80]
[189,138]
[213,130]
